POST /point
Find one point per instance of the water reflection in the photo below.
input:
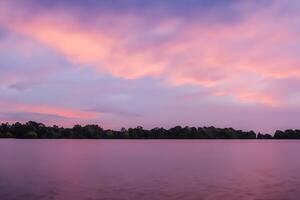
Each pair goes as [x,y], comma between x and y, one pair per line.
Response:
[149,169]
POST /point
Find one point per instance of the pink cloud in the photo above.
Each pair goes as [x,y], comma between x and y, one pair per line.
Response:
[48,110]
[216,56]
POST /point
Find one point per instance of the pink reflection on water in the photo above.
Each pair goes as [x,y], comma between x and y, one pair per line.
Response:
[149,169]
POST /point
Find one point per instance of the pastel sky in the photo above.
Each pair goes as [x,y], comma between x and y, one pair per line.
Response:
[154,63]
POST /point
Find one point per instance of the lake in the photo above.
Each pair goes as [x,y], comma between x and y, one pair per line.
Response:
[149,169]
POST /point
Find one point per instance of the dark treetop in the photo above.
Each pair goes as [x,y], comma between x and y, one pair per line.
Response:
[38,130]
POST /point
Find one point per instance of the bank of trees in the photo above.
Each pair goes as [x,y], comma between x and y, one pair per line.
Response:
[33,129]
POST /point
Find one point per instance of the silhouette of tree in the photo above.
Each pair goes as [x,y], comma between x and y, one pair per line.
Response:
[33,129]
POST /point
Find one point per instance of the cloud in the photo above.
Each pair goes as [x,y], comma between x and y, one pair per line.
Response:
[202,51]
[47,110]
[175,50]
[26,63]
[114,110]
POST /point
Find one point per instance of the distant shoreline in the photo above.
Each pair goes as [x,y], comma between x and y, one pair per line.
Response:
[151,139]
[35,130]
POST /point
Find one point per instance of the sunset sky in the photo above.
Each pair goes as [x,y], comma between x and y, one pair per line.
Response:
[154,63]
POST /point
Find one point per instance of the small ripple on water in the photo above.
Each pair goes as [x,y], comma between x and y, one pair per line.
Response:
[132,170]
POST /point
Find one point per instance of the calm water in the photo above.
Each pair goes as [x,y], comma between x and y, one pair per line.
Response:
[149,169]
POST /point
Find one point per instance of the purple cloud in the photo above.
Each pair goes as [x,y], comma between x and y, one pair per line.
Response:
[151,63]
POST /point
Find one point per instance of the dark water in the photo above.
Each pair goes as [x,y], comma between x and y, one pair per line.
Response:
[149,169]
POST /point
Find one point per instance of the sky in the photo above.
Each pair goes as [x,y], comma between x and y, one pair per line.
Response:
[151,63]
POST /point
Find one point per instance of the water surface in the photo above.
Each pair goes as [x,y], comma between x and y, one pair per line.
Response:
[149,169]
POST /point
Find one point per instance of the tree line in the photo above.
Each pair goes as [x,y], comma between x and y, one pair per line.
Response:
[33,129]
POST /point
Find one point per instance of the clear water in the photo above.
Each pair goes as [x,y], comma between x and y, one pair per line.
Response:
[149,169]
